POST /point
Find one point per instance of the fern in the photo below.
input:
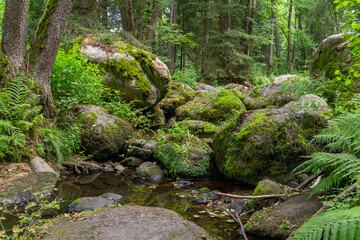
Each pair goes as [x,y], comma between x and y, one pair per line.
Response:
[342,135]
[19,113]
[334,225]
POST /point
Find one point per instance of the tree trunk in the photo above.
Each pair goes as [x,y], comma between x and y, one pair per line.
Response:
[206,34]
[154,19]
[289,35]
[295,40]
[129,15]
[303,50]
[222,19]
[252,13]
[276,34]
[45,47]
[229,15]
[14,31]
[103,12]
[84,7]
[160,46]
[171,48]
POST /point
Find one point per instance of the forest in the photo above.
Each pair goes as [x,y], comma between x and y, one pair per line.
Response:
[176,119]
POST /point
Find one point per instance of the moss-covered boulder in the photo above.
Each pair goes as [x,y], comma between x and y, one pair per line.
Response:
[178,95]
[150,171]
[310,102]
[198,128]
[183,155]
[214,107]
[266,143]
[102,135]
[331,55]
[265,187]
[138,74]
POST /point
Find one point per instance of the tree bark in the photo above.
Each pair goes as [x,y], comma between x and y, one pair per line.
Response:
[295,42]
[206,34]
[289,35]
[303,50]
[172,49]
[129,15]
[229,15]
[14,31]
[154,19]
[45,47]
[84,7]
[252,13]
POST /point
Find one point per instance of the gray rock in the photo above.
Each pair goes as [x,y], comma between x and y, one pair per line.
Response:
[202,199]
[213,196]
[132,162]
[102,134]
[89,204]
[142,153]
[284,78]
[285,218]
[150,171]
[29,188]
[309,102]
[107,168]
[112,196]
[119,168]
[205,87]
[150,145]
[83,167]
[126,223]
[238,206]
[38,165]
[182,183]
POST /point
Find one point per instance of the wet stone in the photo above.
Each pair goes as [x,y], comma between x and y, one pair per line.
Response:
[89,204]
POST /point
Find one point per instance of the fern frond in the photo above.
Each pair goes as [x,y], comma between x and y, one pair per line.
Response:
[334,225]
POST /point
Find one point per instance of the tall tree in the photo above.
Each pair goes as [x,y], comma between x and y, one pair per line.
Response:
[45,47]
[129,15]
[154,19]
[289,34]
[15,31]
[171,48]
[206,36]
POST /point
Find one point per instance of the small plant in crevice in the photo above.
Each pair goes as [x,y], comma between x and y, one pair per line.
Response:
[19,114]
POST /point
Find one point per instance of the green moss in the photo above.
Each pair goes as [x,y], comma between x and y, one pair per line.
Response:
[266,146]
[130,70]
[78,201]
[183,155]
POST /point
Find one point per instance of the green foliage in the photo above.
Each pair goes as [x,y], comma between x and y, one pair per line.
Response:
[30,219]
[59,145]
[334,225]
[19,113]
[188,76]
[342,135]
[74,80]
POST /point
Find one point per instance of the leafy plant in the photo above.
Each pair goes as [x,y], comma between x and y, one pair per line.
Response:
[30,219]
[334,225]
[342,137]
[19,113]
[188,76]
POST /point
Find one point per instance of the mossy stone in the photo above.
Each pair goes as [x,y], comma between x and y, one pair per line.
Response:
[103,135]
[266,143]
[183,155]
[214,107]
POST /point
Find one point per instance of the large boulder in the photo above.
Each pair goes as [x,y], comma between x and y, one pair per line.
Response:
[278,222]
[199,128]
[310,102]
[102,134]
[138,74]
[266,143]
[179,94]
[29,188]
[129,222]
[183,155]
[214,107]
[150,171]
[89,204]
[331,55]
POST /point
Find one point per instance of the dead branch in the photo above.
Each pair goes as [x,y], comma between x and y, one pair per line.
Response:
[238,220]
[304,183]
[252,197]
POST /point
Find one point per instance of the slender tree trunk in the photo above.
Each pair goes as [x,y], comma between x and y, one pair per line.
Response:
[222,19]
[129,15]
[289,35]
[154,19]
[276,34]
[206,34]
[295,42]
[103,12]
[229,15]
[160,47]
[303,50]
[14,32]
[171,48]
[45,47]
[252,13]
[273,22]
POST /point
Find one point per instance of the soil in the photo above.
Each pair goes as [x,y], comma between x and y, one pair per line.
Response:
[12,171]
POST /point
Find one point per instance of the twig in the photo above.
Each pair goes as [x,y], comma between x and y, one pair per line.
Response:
[304,183]
[237,219]
[252,197]
[316,182]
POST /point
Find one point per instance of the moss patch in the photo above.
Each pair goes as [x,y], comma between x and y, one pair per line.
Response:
[266,143]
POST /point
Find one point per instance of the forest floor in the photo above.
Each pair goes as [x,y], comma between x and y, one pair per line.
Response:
[11,171]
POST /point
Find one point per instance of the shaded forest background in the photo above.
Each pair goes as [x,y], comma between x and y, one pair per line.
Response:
[218,41]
